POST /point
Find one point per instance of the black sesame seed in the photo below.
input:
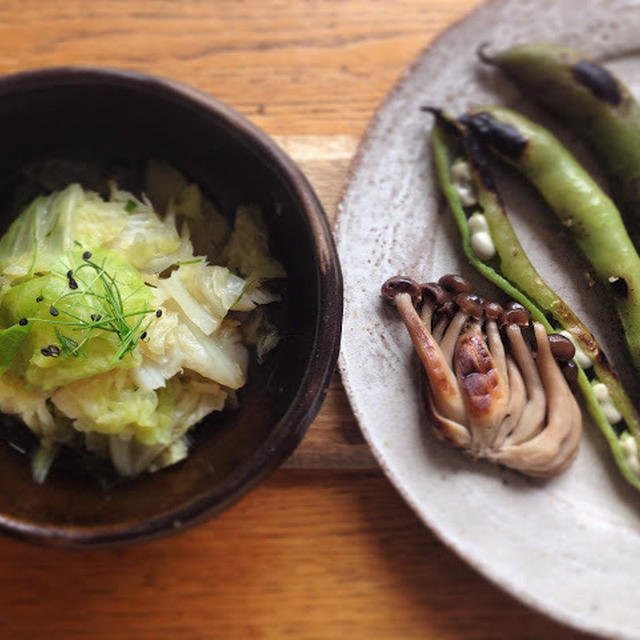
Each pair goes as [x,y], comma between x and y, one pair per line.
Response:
[158,313]
[39,299]
[96,317]
[45,351]
[70,274]
[53,311]
[143,335]
[86,255]
[72,284]
[54,350]
[22,322]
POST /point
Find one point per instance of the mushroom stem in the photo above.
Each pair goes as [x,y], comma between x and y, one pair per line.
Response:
[451,335]
[554,448]
[496,346]
[485,392]
[426,313]
[447,430]
[517,400]
[532,417]
[439,329]
[447,398]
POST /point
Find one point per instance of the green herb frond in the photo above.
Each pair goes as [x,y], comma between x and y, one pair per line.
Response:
[109,314]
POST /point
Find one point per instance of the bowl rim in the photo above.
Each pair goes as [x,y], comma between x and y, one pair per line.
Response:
[290,429]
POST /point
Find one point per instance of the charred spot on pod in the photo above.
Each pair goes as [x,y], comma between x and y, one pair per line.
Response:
[561,347]
[504,138]
[603,361]
[471,304]
[599,81]
[480,162]
[455,284]
[619,286]
[401,284]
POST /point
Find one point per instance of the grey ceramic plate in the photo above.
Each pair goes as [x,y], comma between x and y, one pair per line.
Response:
[569,547]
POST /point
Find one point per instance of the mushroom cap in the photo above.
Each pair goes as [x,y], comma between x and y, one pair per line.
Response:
[455,284]
[493,310]
[449,308]
[435,292]
[471,304]
[401,284]
[515,313]
[561,347]
[570,371]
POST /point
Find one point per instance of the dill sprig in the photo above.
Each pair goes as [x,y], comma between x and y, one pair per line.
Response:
[110,316]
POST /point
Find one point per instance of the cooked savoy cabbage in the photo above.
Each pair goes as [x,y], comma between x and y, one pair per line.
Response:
[115,338]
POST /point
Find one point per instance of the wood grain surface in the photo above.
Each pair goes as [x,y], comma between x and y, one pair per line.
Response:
[309,554]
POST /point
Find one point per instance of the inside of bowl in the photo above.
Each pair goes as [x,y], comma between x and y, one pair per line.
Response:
[115,121]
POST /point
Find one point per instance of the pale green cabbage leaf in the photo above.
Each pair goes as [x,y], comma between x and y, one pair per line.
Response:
[187,350]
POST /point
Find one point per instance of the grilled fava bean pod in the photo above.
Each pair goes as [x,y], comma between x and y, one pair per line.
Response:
[470,191]
[486,391]
[591,100]
[579,203]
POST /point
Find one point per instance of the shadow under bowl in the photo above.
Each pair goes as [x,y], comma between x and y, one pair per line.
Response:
[113,117]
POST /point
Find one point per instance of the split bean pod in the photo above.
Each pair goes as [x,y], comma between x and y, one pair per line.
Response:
[466,181]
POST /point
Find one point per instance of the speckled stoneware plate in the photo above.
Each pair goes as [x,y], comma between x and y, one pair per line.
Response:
[570,546]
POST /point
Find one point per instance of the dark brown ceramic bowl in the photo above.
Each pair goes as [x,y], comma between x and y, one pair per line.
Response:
[111,117]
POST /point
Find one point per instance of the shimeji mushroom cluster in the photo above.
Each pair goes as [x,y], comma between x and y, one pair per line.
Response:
[496,384]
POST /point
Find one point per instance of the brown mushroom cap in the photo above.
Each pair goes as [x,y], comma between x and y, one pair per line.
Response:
[401,284]
[449,308]
[471,304]
[570,371]
[561,347]
[433,291]
[455,284]
[492,310]
[515,313]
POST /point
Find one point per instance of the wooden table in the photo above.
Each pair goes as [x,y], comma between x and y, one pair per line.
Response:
[311,553]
